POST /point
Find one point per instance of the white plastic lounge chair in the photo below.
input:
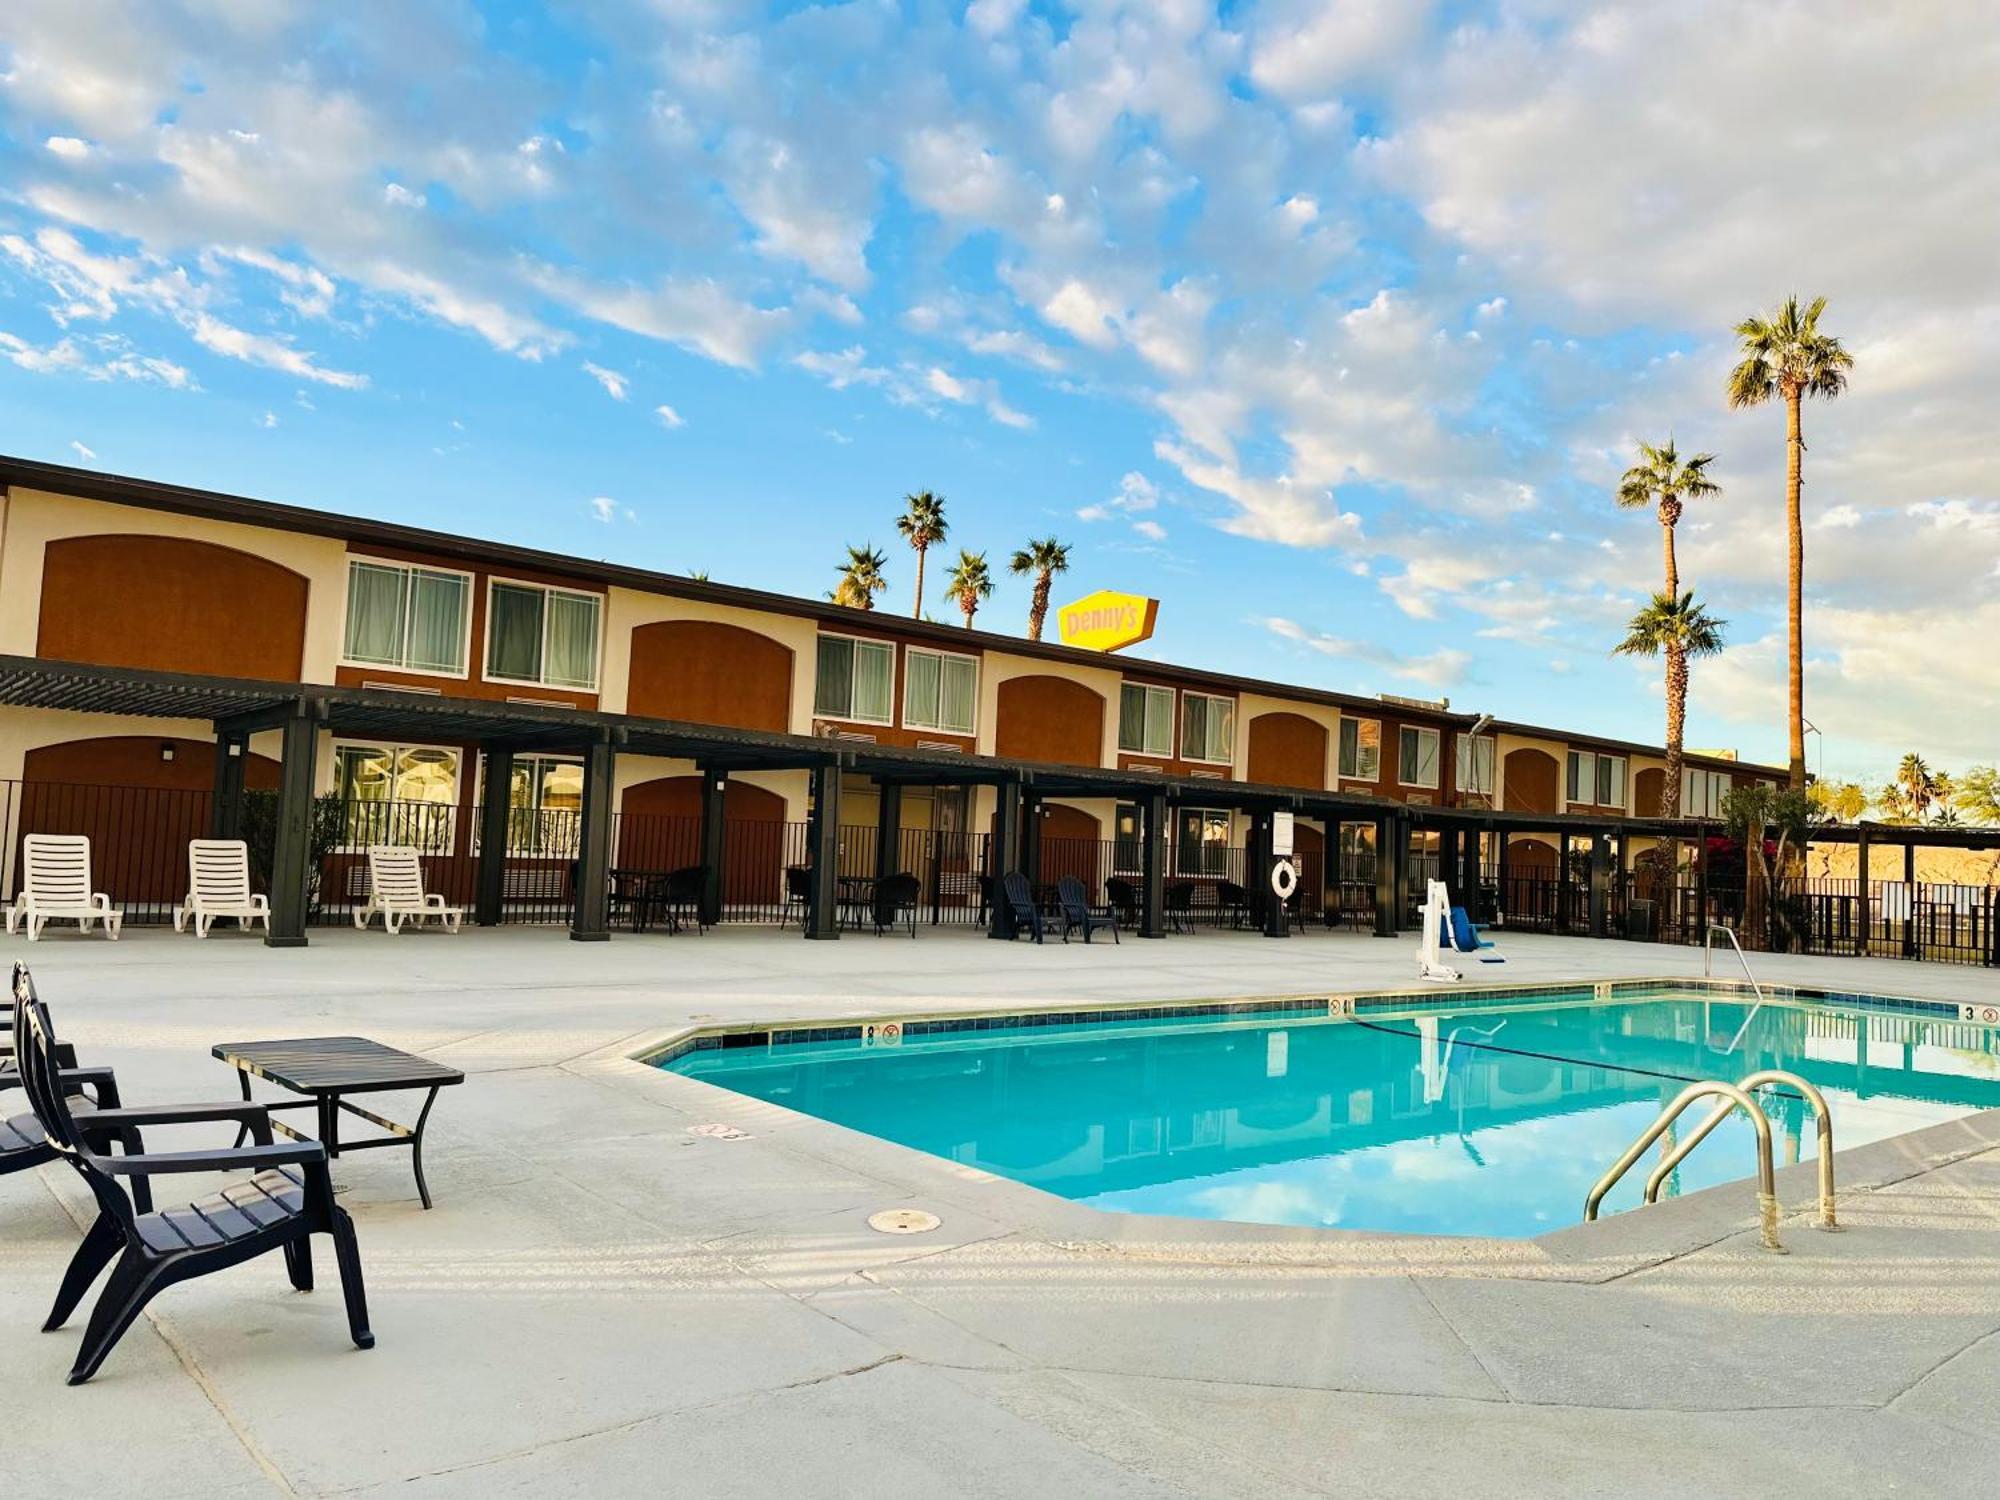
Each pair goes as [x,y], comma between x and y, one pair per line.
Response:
[55,882]
[219,886]
[396,890]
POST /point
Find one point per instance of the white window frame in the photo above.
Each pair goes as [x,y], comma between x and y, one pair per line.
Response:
[1576,778]
[515,847]
[1340,750]
[409,601]
[395,748]
[1466,768]
[1187,697]
[1205,813]
[1717,782]
[887,722]
[1624,788]
[486,653]
[1173,718]
[970,732]
[1437,756]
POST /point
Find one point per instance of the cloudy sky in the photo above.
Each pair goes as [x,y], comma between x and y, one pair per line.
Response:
[1331,322]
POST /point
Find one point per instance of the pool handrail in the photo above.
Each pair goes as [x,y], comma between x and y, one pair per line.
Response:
[1750,1084]
[1767,1186]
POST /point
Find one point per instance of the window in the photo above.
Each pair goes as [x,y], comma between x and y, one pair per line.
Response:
[1202,847]
[544,806]
[1417,757]
[1146,719]
[1598,779]
[542,635]
[856,680]
[1475,764]
[1208,728]
[1357,853]
[940,691]
[1582,785]
[1702,793]
[397,794]
[1128,837]
[406,617]
[1360,749]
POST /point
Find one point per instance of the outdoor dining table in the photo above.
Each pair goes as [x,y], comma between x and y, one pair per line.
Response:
[327,1069]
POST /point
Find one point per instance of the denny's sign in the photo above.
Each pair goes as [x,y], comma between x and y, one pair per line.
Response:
[1105,621]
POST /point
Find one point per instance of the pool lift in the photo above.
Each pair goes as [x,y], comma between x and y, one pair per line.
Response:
[1445,925]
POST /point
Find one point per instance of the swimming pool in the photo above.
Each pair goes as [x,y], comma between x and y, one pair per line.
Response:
[1488,1115]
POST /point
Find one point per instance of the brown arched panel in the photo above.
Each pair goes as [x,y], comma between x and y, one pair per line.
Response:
[172,605]
[1049,719]
[1071,845]
[704,672]
[659,828]
[137,807]
[1649,788]
[1528,781]
[1287,750]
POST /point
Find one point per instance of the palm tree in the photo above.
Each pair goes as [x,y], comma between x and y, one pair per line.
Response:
[1661,476]
[1917,785]
[1044,559]
[968,583]
[921,523]
[1679,629]
[1787,357]
[860,578]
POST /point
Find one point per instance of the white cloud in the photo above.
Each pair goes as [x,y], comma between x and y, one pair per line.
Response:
[695,314]
[68,147]
[98,357]
[1441,668]
[669,418]
[1306,49]
[88,455]
[615,385]
[268,420]
[397,196]
[270,352]
[604,508]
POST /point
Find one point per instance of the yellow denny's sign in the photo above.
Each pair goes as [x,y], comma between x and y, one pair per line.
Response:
[1105,621]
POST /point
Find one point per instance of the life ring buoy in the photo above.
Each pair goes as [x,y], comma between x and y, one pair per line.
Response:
[1284,879]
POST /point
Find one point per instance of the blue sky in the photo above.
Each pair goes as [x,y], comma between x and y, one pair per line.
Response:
[1330,322]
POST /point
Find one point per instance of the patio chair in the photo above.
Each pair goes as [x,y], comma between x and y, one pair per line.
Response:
[1177,905]
[798,892]
[23,1142]
[895,895]
[1078,912]
[288,1199]
[1124,899]
[1022,913]
[55,884]
[219,886]
[680,895]
[985,883]
[396,892]
[1234,900]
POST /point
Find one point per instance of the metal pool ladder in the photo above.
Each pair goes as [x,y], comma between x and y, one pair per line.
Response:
[1708,972]
[1733,1096]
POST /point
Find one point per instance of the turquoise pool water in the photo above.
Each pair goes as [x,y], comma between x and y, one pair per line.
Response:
[1486,1120]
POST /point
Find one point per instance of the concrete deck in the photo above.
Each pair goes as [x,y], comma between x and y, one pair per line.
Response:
[604,1303]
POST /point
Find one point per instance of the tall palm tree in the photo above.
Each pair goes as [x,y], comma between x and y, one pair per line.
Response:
[1044,559]
[1918,785]
[1664,478]
[860,578]
[968,583]
[1786,357]
[1679,629]
[921,523]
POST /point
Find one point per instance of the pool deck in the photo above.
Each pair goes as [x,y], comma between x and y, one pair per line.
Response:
[604,1302]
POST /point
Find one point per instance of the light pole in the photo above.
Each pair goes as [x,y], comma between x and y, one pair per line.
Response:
[1819,760]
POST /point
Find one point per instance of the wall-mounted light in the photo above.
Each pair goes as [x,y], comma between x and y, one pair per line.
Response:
[235,748]
[166,749]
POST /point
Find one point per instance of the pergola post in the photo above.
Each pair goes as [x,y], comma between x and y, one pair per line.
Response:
[1600,885]
[225,809]
[823,854]
[1006,852]
[590,915]
[1389,856]
[1864,902]
[496,803]
[1564,883]
[1503,873]
[1153,866]
[1910,934]
[714,844]
[1277,918]
[291,854]
[1449,870]
[1033,810]
[889,830]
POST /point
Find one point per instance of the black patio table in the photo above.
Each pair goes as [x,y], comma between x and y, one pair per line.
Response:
[329,1067]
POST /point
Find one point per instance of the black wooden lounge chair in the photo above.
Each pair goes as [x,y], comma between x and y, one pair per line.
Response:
[288,1200]
[1233,900]
[23,1142]
[1022,913]
[1078,912]
[893,896]
[1124,899]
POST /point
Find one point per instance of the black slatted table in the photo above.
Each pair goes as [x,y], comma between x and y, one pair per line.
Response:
[328,1068]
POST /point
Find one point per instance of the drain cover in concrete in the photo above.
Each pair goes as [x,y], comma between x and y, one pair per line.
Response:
[903,1221]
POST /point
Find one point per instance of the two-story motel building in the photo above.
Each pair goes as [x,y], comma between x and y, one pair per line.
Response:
[153,636]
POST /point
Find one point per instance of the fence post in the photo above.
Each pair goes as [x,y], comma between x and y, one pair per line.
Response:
[1503,873]
[1862,903]
[823,854]
[1391,848]
[1153,865]
[497,801]
[291,855]
[714,844]
[590,917]
[1911,945]
[1006,850]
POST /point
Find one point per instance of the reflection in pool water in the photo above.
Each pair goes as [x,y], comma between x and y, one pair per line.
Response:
[1489,1121]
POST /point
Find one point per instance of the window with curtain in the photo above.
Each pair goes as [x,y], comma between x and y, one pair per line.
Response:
[1417,757]
[406,617]
[1475,764]
[1610,781]
[856,680]
[1145,719]
[1208,728]
[1128,839]
[544,798]
[1360,749]
[1582,783]
[939,690]
[1202,847]
[398,794]
[545,636]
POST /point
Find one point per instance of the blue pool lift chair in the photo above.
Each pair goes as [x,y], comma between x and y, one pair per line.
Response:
[1462,936]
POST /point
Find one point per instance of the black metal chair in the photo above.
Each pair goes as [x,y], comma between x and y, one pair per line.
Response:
[23,1142]
[985,883]
[893,896]
[287,1200]
[1124,899]
[681,895]
[798,892]
[1078,912]
[1177,904]
[1234,901]
[1022,913]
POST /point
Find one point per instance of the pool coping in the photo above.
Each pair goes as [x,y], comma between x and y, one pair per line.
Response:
[1585,1252]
